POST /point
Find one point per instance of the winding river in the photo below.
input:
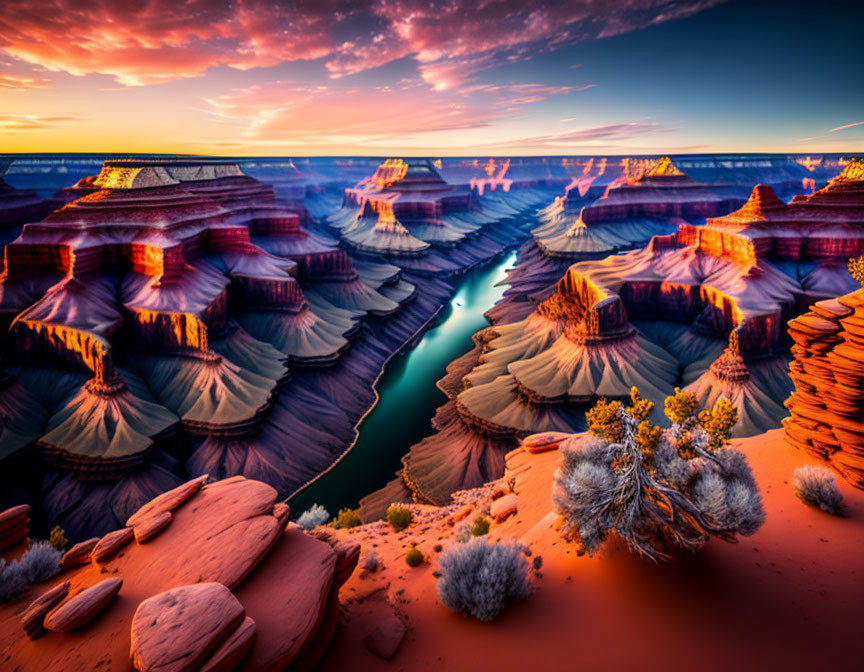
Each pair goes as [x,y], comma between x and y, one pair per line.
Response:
[408,396]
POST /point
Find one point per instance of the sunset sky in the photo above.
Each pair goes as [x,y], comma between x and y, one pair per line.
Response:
[451,77]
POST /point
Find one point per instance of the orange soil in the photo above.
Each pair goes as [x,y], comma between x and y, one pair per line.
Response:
[787,598]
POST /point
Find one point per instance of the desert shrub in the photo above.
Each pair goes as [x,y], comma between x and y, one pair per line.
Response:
[312,517]
[815,486]
[462,533]
[414,557]
[603,420]
[399,517]
[479,527]
[480,579]
[347,519]
[371,562]
[655,487]
[40,562]
[57,539]
[856,269]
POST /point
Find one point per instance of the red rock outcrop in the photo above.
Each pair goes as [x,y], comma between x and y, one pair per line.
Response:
[225,586]
[827,407]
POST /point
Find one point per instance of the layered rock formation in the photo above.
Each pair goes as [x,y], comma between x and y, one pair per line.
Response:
[641,199]
[408,215]
[827,407]
[153,319]
[19,206]
[227,584]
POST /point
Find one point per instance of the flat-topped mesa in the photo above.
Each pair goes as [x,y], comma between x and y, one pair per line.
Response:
[826,409]
[826,226]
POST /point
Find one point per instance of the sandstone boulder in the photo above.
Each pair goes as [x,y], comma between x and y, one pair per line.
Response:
[33,617]
[385,638]
[111,543]
[178,629]
[148,528]
[167,501]
[80,609]
[504,507]
[14,525]
[79,554]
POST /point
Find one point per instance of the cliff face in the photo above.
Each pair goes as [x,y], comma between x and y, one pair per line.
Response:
[827,407]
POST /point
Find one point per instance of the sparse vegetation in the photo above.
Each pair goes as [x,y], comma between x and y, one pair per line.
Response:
[57,538]
[856,268]
[414,557]
[399,517]
[480,579]
[40,562]
[312,517]
[479,527]
[816,486]
[371,563]
[347,519]
[653,487]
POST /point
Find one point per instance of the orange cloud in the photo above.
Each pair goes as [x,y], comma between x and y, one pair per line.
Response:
[31,122]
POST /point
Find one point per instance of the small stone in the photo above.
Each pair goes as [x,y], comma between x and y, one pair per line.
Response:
[33,617]
[79,554]
[385,639]
[504,507]
[83,607]
[150,527]
[111,543]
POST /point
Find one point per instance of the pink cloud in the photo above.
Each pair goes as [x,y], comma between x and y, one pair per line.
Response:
[160,40]
[609,134]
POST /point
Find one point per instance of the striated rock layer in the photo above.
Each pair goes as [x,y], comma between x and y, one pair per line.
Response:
[228,584]
[827,407]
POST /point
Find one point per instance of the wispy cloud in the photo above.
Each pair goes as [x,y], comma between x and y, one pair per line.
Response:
[31,122]
[608,135]
[833,130]
[285,111]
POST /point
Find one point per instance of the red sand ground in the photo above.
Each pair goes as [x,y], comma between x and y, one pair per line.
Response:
[789,597]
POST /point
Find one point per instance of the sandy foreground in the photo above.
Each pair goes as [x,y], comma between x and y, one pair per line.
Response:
[787,598]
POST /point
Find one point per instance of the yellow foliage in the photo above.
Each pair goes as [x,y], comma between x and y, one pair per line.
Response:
[603,420]
[681,406]
[718,422]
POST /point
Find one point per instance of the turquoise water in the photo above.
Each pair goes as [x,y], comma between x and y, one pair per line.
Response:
[408,396]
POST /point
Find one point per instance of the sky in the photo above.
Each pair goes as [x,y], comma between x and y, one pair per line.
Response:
[431,77]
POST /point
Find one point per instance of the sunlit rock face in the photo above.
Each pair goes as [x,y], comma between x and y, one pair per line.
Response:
[827,407]
[153,320]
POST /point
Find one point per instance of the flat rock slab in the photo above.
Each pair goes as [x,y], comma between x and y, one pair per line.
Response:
[33,616]
[178,629]
[232,650]
[80,609]
[385,638]
[539,443]
[167,501]
[79,554]
[150,527]
[111,543]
